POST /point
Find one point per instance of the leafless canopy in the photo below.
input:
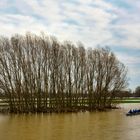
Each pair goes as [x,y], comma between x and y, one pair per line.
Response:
[37,74]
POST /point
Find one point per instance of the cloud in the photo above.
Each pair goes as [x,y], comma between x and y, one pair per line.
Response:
[90,21]
[11,24]
[99,22]
[131,34]
[128,59]
[133,64]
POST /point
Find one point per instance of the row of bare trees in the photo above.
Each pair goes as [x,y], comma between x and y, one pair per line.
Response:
[39,74]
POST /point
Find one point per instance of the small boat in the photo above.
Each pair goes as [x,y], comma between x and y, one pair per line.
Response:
[134,112]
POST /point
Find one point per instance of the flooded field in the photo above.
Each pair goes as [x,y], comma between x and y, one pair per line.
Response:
[110,125]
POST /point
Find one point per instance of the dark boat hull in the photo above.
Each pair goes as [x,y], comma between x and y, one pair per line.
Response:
[132,114]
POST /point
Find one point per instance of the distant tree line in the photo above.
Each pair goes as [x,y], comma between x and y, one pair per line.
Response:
[40,74]
[128,93]
[137,92]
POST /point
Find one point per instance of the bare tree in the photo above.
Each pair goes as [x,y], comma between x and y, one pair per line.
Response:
[40,74]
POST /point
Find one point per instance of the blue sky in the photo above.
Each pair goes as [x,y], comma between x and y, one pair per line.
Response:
[114,23]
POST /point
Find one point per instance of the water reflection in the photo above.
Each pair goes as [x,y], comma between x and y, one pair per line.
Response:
[111,125]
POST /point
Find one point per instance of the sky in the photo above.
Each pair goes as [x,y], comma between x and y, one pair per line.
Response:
[113,23]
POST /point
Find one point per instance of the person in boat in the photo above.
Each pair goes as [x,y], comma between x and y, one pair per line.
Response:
[135,111]
[130,111]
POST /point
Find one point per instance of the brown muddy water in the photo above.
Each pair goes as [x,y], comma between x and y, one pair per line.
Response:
[110,125]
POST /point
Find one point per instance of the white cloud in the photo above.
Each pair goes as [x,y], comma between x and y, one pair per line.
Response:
[11,24]
[133,64]
[127,59]
[3,4]
[92,21]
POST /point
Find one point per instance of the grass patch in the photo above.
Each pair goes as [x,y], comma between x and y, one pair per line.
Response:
[127,100]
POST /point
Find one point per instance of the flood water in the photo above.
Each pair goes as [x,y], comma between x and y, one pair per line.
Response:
[110,125]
